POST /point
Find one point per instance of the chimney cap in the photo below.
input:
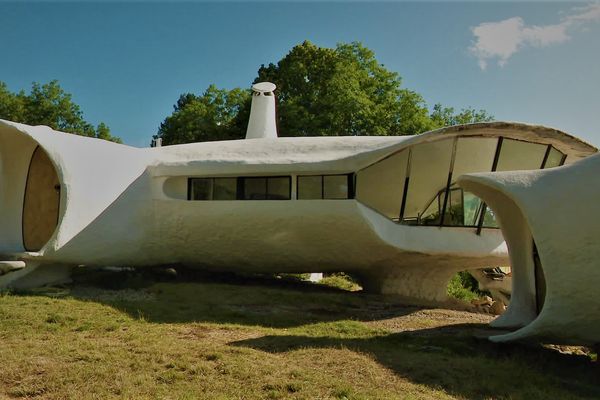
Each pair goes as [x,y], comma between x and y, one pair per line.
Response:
[264,87]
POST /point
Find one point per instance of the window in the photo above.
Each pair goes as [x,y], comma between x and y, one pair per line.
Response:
[270,188]
[224,188]
[310,187]
[555,158]
[241,188]
[381,185]
[518,155]
[329,187]
[335,186]
[417,186]
[201,189]
[429,167]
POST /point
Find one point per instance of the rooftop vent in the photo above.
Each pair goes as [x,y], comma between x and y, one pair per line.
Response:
[262,113]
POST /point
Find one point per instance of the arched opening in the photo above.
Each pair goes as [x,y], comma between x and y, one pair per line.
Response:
[41,204]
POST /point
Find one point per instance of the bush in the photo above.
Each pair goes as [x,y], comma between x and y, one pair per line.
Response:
[460,287]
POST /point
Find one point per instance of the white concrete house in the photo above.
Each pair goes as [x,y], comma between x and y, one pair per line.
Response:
[388,209]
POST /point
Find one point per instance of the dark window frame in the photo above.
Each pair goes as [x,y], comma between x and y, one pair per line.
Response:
[351,186]
[240,186]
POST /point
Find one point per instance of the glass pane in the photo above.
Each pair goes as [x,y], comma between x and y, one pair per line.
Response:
[472,209]
[279,188]
[554,158]
[225,189]
[201,189]
[381,185]
[429,169]
[517,155]
[472,155]
[309,187]
[489,220]
[455,212]
[335,186]
[431,215]
[255,188]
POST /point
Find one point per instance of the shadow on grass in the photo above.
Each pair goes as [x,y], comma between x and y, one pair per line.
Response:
[456,359]
[194,296]
[461,364]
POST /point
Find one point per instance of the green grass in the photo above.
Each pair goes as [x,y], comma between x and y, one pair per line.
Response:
[261,339]
[341,281]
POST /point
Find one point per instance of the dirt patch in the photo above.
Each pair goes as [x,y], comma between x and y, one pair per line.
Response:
[430,318]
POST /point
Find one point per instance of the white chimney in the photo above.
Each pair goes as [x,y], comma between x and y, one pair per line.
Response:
[262,112]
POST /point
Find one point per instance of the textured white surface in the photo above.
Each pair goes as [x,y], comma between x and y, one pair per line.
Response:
[262,123]
[127,206]
[558,208]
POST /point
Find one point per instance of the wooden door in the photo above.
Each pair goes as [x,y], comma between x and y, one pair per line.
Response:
[42,201]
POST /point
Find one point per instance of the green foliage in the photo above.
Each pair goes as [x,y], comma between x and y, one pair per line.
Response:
[461,287]
[49,105]
[342,91]
[446,116]
[217,114]
[320,92]
[342,281]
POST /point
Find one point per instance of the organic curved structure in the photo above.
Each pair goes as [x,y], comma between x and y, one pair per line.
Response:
[385,208]
[549,219]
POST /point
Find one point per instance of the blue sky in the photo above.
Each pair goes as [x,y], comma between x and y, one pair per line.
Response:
[127,63]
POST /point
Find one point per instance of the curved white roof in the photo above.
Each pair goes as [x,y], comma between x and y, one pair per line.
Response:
[347,152]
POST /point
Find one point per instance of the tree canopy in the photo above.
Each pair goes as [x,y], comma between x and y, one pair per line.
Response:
[48,104]
[320,91]
[217,114]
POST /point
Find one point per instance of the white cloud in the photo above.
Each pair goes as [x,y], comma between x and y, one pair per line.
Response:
[500,40]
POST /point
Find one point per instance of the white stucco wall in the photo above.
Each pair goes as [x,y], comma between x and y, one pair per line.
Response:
[558,208]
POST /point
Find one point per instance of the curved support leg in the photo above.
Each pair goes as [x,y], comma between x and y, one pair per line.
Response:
[419,284]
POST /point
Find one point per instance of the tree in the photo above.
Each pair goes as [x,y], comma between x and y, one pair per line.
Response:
[320,91]
[342,91]
[446,116]
[217,114]
[49,105]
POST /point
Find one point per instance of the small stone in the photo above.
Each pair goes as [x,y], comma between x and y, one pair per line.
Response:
[483,301]
[171,272]
[497,308]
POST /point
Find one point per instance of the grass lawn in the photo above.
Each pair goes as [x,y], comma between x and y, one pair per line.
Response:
[123,335]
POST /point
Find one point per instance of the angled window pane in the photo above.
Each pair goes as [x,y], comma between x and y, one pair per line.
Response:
[279,188]
[472,206]
[431,215]
[472,155]
[381,185]
[335,186]
[489,220]
[201,189]
[455,208]
[430,165]
[255,188]
[310,187]
[224,189]
[554,158]
[517,155]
